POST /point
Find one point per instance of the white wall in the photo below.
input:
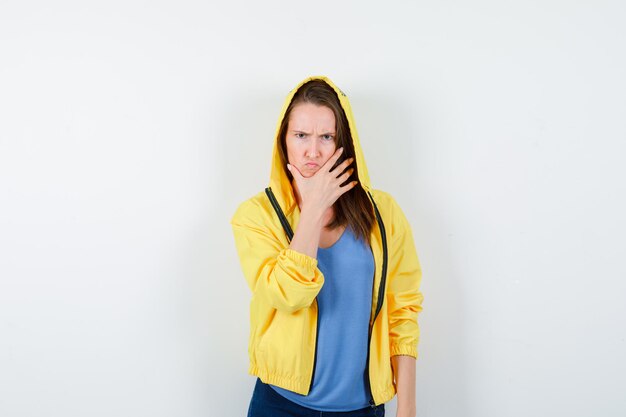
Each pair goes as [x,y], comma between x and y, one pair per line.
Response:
[130,131]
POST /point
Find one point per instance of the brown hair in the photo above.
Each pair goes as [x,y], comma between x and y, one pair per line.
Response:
[353,208]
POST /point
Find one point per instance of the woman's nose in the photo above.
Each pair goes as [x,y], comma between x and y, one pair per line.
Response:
[312,149]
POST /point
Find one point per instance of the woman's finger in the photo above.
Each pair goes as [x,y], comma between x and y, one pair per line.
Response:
[294,171]
[332,160]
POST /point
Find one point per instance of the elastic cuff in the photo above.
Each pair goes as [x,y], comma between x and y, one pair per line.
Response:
[301,258]
[403,349]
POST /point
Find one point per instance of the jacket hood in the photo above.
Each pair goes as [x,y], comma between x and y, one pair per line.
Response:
[279,181]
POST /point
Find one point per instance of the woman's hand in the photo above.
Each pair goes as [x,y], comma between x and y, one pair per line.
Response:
[322,189]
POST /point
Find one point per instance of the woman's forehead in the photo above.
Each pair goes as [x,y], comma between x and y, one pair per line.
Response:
[310,116]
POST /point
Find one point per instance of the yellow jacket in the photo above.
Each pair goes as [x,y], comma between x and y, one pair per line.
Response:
[285,283]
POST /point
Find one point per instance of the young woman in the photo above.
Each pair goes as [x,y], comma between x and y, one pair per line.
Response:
[333,314]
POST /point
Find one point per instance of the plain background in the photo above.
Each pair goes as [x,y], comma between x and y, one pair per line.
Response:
[131,130]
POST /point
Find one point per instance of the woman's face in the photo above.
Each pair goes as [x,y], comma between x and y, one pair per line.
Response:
[310,137]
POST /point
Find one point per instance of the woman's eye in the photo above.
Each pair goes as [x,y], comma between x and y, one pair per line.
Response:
[328,137]
[299,135]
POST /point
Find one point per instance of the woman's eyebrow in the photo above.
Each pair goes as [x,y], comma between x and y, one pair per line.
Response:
[294,131]
[307,133]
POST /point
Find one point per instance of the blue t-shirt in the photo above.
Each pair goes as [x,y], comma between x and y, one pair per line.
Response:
[344,302]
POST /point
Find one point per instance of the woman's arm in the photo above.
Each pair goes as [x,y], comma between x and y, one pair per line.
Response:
[404,304]
[306,237]
[286,279]
[404,372]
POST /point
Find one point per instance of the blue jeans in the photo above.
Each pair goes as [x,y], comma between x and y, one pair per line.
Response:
[266,402]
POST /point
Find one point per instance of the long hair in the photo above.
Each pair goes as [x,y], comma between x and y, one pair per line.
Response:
[353,208]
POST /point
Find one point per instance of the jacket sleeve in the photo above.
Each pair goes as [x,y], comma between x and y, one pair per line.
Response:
[284,278]
[404,299]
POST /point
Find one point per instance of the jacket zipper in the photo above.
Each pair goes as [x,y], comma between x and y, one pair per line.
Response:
[381,289]
[317,328]
[381,294]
